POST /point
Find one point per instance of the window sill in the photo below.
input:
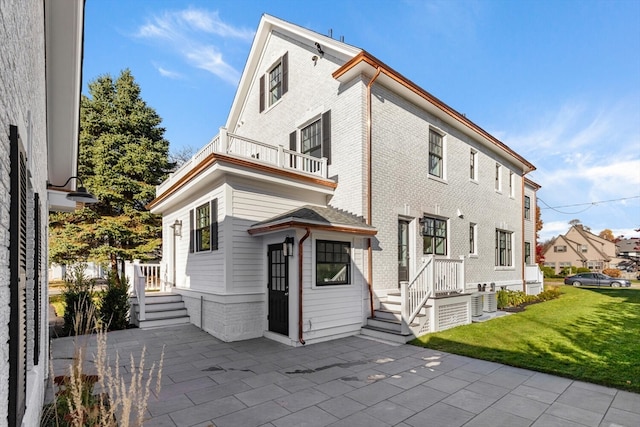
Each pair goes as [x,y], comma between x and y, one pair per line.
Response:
[438,179]
[474,181]
[504,268]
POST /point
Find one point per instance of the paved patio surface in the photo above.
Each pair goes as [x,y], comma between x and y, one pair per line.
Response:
[350,382]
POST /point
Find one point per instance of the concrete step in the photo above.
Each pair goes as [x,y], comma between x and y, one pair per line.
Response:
[159,298]
[158,323]
[161,307]
[383,334]
[165,314]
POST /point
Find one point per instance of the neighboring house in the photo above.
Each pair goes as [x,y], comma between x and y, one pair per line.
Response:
[338,187]
[580,248]
[629,251]
[40,82]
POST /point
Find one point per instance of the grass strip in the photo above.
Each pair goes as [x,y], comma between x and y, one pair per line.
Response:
[587,334]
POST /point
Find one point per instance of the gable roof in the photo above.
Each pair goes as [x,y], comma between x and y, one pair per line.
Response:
[340,50]
[357,61]
[316,217]
[571,246]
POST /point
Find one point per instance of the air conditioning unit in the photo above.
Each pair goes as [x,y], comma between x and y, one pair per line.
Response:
[490,302]
[476,304]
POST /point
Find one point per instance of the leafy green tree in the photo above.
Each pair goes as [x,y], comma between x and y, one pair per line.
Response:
[123,156]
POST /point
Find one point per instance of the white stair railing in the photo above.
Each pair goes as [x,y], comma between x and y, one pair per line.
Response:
[416,292]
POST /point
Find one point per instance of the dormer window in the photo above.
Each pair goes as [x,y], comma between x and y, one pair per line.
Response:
[277,80]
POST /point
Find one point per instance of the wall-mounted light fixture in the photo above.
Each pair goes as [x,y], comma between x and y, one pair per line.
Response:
[80,195]
[314,58]
[287,246]
[177,228]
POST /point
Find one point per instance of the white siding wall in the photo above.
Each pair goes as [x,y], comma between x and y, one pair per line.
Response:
[402,186]
[254,202]
[530,224]
[22,103]
[330,311]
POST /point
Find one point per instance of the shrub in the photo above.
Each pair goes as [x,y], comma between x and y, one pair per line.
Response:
[548,272]
[583,270]
[79,307]
[613,272]
[507,298]
[114,304]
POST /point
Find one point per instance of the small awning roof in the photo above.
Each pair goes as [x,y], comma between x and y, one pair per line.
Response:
[315,217]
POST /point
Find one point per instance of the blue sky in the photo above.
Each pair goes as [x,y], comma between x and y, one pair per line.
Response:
[557,81]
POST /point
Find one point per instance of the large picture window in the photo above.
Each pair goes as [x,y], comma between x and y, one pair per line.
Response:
[435,154]
[434,236]
[204,227]
[503,248]
[333,263]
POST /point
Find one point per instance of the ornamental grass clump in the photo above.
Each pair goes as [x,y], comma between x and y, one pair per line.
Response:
[91,392]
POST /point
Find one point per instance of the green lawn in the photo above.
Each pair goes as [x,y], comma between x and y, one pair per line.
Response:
[587,334]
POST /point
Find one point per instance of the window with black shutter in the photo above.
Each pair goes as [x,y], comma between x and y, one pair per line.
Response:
[203,226]
[275,83]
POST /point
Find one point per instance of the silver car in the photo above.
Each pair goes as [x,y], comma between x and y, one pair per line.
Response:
[596,279]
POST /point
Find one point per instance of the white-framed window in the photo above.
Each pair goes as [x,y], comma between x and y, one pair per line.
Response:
[504,253]
[275,83]
[560,248]
[436,154]
[434,236]
[527,253]
[311,139]
[203,227]
[473,165]
[498,177]
[333,262]
[583,248]
[527,207]
[473,235]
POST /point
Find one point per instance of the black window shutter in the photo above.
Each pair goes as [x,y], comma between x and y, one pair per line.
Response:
[214,224]
[17,280]
[192,233]
[262,94]
[36,278]
[285,73]
[293,141]
[326,136]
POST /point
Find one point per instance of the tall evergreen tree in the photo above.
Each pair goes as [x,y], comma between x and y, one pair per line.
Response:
[123,156]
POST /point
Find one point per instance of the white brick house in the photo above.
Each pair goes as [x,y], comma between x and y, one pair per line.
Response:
[40,81]
[378,186]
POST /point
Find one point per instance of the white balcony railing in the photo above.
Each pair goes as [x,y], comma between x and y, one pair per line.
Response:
[254,151]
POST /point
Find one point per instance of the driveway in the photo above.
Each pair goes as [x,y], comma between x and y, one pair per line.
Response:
[350,382]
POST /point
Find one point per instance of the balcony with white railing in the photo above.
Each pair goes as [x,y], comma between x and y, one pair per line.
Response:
[254,151]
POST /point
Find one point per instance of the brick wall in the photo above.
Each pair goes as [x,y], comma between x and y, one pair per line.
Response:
[22,103]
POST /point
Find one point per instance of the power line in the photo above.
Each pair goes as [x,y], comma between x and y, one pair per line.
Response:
[588,205]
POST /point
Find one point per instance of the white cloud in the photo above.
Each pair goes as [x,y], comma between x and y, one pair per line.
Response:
[168,73]
[194,34]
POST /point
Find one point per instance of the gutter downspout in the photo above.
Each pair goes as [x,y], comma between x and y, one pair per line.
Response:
[524,267]
[368,171]
[300,253]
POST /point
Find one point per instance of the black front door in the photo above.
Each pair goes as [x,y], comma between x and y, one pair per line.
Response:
[403,251]
[278,290]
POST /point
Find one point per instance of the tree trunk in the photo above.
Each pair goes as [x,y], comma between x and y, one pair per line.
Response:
[114,270]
